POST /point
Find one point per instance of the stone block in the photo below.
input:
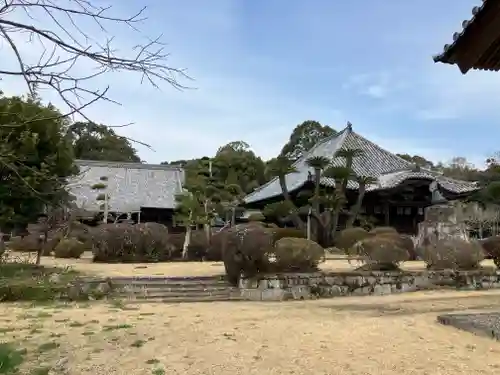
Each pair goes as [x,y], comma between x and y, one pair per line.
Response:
[251,294]
[301,292]
[382,289]
[273,295]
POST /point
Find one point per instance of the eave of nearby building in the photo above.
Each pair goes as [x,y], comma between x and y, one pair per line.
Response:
[129,185]
[390,170]
[477,45]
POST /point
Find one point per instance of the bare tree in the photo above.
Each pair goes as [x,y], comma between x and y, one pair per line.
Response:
[57,26]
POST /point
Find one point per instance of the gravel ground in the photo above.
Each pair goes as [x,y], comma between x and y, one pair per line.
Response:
[483,324]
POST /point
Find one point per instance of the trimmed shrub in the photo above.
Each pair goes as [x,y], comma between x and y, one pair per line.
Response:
[333,250]
[256,217]
[404,241]
[70,248]
[383,230]
[453,254]
[279,233]
[251,249]
[244,250]
[297,254]
[51,244]
[127,243]
[29,243]
[350,236]
[383,252]
[491,246]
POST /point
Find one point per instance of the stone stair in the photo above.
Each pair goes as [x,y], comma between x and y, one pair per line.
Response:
[174,289]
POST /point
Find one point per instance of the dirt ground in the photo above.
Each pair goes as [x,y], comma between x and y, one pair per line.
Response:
[188,268]
[395,334]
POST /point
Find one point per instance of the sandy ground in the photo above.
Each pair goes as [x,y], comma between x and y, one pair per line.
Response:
[386,335]
[188,268]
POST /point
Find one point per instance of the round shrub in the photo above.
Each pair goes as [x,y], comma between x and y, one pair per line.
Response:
[491,246]
[404,241]
[297,254]
[244,250]
[70,248]
[49,246]
[128,243]
[350,236]
[453,254]
[383,230]
[279,233]
[256,217]
[384,252]
[29,243]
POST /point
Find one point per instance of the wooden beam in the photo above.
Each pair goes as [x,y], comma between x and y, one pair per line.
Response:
[478,37]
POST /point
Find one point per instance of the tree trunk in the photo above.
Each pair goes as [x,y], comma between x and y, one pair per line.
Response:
[295,216]
[316,208]
[354,212]
[187,241]
[335,223]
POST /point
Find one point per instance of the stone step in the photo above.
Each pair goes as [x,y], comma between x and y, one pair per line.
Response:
[176,289]
[167,294]
[184,299]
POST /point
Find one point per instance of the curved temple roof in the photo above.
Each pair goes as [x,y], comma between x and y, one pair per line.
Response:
[390,170]
[489,59]
[130,185]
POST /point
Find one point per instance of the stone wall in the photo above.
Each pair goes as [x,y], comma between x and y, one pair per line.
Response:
[325,285]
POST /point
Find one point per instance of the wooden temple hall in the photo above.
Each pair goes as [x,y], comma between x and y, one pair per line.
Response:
[477,45]
[397,199]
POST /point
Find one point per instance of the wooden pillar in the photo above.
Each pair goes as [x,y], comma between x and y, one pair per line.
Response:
[387,217]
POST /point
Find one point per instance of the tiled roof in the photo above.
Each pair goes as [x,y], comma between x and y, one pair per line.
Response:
[390,170]
[129,185]
[447,56]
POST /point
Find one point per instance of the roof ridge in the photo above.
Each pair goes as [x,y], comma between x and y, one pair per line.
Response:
[302,158]
[130,165]
[306,154]
[410,165]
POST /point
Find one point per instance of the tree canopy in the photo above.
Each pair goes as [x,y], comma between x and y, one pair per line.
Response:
[36,158]
[98,142]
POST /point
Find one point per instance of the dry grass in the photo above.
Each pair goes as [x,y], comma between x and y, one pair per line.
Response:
[388,335]
[85,265]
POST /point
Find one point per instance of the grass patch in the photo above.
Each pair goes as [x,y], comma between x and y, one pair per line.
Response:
[41,371]
[30,282]
[117,326]
[10,358]
[158,371]
[152,361]
[76,324]
[47,346]
[138,343]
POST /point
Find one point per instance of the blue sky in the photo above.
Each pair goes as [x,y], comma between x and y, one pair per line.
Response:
[261,67]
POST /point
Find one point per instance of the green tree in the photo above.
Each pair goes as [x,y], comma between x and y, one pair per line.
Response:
[98,142]
[36,159]
[281,167]
[304,137]
[417,160]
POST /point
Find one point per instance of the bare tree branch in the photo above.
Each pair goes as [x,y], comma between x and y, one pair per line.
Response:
[62,50]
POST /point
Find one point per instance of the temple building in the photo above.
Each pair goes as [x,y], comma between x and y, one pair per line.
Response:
[477,45]
[398,197]
[145,192]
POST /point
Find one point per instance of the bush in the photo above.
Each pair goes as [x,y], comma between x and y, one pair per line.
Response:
[297,254]
[128,243]
[383,230]
[70,248]
[404,241]
[252,249]
[256,217]
[350,236]
[453,254]
[244,250]
[383,252]
[279,233]
[29,243]
[49,246]
[491,246]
